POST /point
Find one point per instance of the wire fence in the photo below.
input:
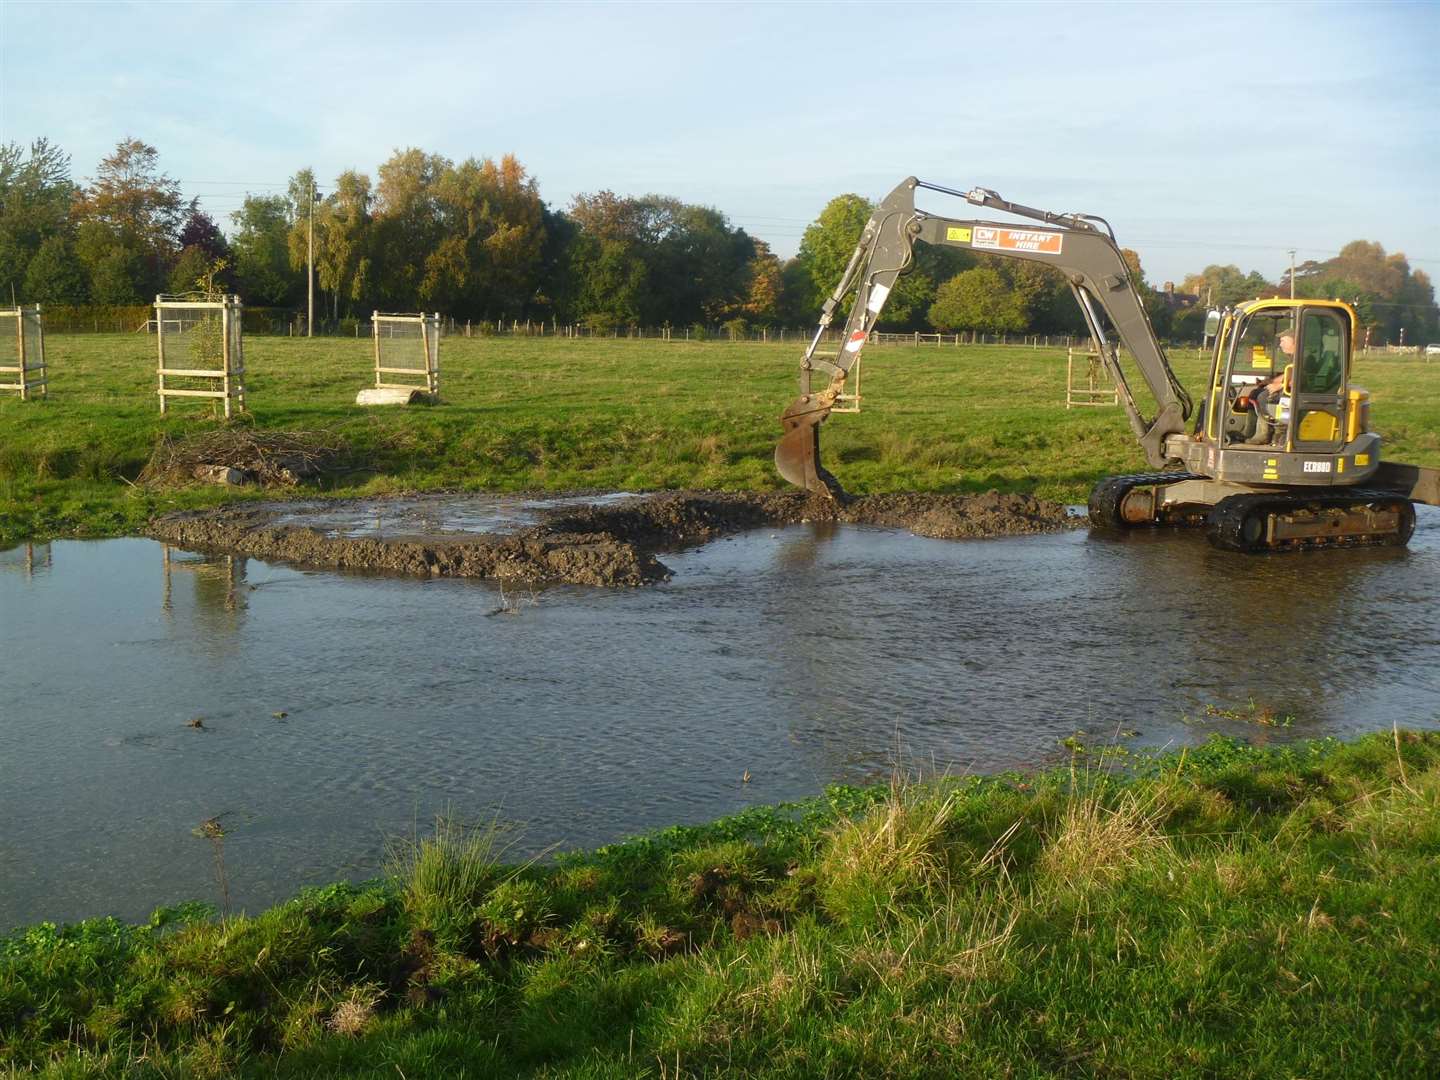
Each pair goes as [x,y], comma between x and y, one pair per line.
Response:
[283,322]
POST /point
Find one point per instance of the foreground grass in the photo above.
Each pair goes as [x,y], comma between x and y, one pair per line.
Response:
[1230,912]
[610,414]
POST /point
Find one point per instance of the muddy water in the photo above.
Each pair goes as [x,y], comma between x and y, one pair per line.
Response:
[339,709]
[431,515]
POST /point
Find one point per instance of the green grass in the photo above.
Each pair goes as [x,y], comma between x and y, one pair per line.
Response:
[610,414]
[1231,911]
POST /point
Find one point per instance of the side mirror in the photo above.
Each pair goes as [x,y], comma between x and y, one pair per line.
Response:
[1212,324]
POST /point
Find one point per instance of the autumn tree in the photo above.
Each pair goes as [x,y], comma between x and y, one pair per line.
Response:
[129,220]
[604,273]
[342,241]
[492,232]
[652,260]
[406,226]
[1388,295]
[764,284]
[1222,286]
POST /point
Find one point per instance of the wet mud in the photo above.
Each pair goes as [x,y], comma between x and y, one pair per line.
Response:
[608,544]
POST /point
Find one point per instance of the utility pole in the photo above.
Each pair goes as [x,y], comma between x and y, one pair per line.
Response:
[310,263]
[1292,273]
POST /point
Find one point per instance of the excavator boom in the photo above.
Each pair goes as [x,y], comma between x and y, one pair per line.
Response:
[1082,247]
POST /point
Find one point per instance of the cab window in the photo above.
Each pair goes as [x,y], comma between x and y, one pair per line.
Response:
[1258,356]
[1322,353]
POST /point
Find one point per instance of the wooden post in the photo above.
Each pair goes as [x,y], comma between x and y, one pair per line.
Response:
[225,354]
[40,338]
[160,345]
[20,353]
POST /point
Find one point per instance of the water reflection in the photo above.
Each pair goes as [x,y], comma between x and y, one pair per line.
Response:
[219,580]
[339,709]
[28,559]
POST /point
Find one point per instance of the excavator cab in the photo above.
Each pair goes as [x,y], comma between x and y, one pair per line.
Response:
[1280,380]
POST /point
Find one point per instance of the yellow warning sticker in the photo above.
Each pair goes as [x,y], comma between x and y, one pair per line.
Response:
[1259,358]
[954,232]
[1362,459]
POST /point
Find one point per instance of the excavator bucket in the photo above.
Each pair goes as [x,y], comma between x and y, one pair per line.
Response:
[797,456]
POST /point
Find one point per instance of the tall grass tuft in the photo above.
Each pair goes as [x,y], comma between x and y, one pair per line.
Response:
[890,856]
[444,877]
[1101,835]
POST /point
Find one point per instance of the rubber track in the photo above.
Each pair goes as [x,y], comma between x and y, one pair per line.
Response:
[1227,519]
[1107,494]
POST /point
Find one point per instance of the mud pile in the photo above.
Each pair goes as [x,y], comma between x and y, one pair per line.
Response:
[614,544]
[956,517]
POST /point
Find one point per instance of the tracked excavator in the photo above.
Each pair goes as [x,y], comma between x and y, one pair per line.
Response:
[1278,455]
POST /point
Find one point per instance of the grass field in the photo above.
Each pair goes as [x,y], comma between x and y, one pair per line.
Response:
[612,414]
[1230,912]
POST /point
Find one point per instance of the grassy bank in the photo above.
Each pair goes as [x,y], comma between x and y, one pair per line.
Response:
[1230,912]
[612,414]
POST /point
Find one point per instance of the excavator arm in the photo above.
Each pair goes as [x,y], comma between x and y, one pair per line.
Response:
[1082,247]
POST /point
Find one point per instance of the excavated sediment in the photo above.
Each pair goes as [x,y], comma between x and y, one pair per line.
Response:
[609,545]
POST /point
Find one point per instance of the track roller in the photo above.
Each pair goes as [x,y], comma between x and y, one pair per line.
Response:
[1288,522]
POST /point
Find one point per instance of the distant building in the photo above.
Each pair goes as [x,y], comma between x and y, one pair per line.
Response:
[1177,301]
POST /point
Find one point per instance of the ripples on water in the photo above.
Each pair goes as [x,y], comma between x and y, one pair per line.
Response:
[805,655]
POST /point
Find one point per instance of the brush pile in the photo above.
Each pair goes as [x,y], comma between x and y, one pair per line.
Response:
[237,455]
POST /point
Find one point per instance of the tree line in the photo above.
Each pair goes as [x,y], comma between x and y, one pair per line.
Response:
[475,240]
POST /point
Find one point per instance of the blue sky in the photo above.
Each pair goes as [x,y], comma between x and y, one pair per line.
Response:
[1203,132]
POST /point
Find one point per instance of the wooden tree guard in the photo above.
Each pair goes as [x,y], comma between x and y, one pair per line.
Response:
[402,338]
[1095,388]
[196,332]
[22,351]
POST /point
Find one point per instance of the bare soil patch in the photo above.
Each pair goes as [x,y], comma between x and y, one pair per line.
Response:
[610,545]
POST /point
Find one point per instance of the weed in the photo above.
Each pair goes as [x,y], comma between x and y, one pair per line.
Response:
[211,829]
[354,1012]
[1264,715]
